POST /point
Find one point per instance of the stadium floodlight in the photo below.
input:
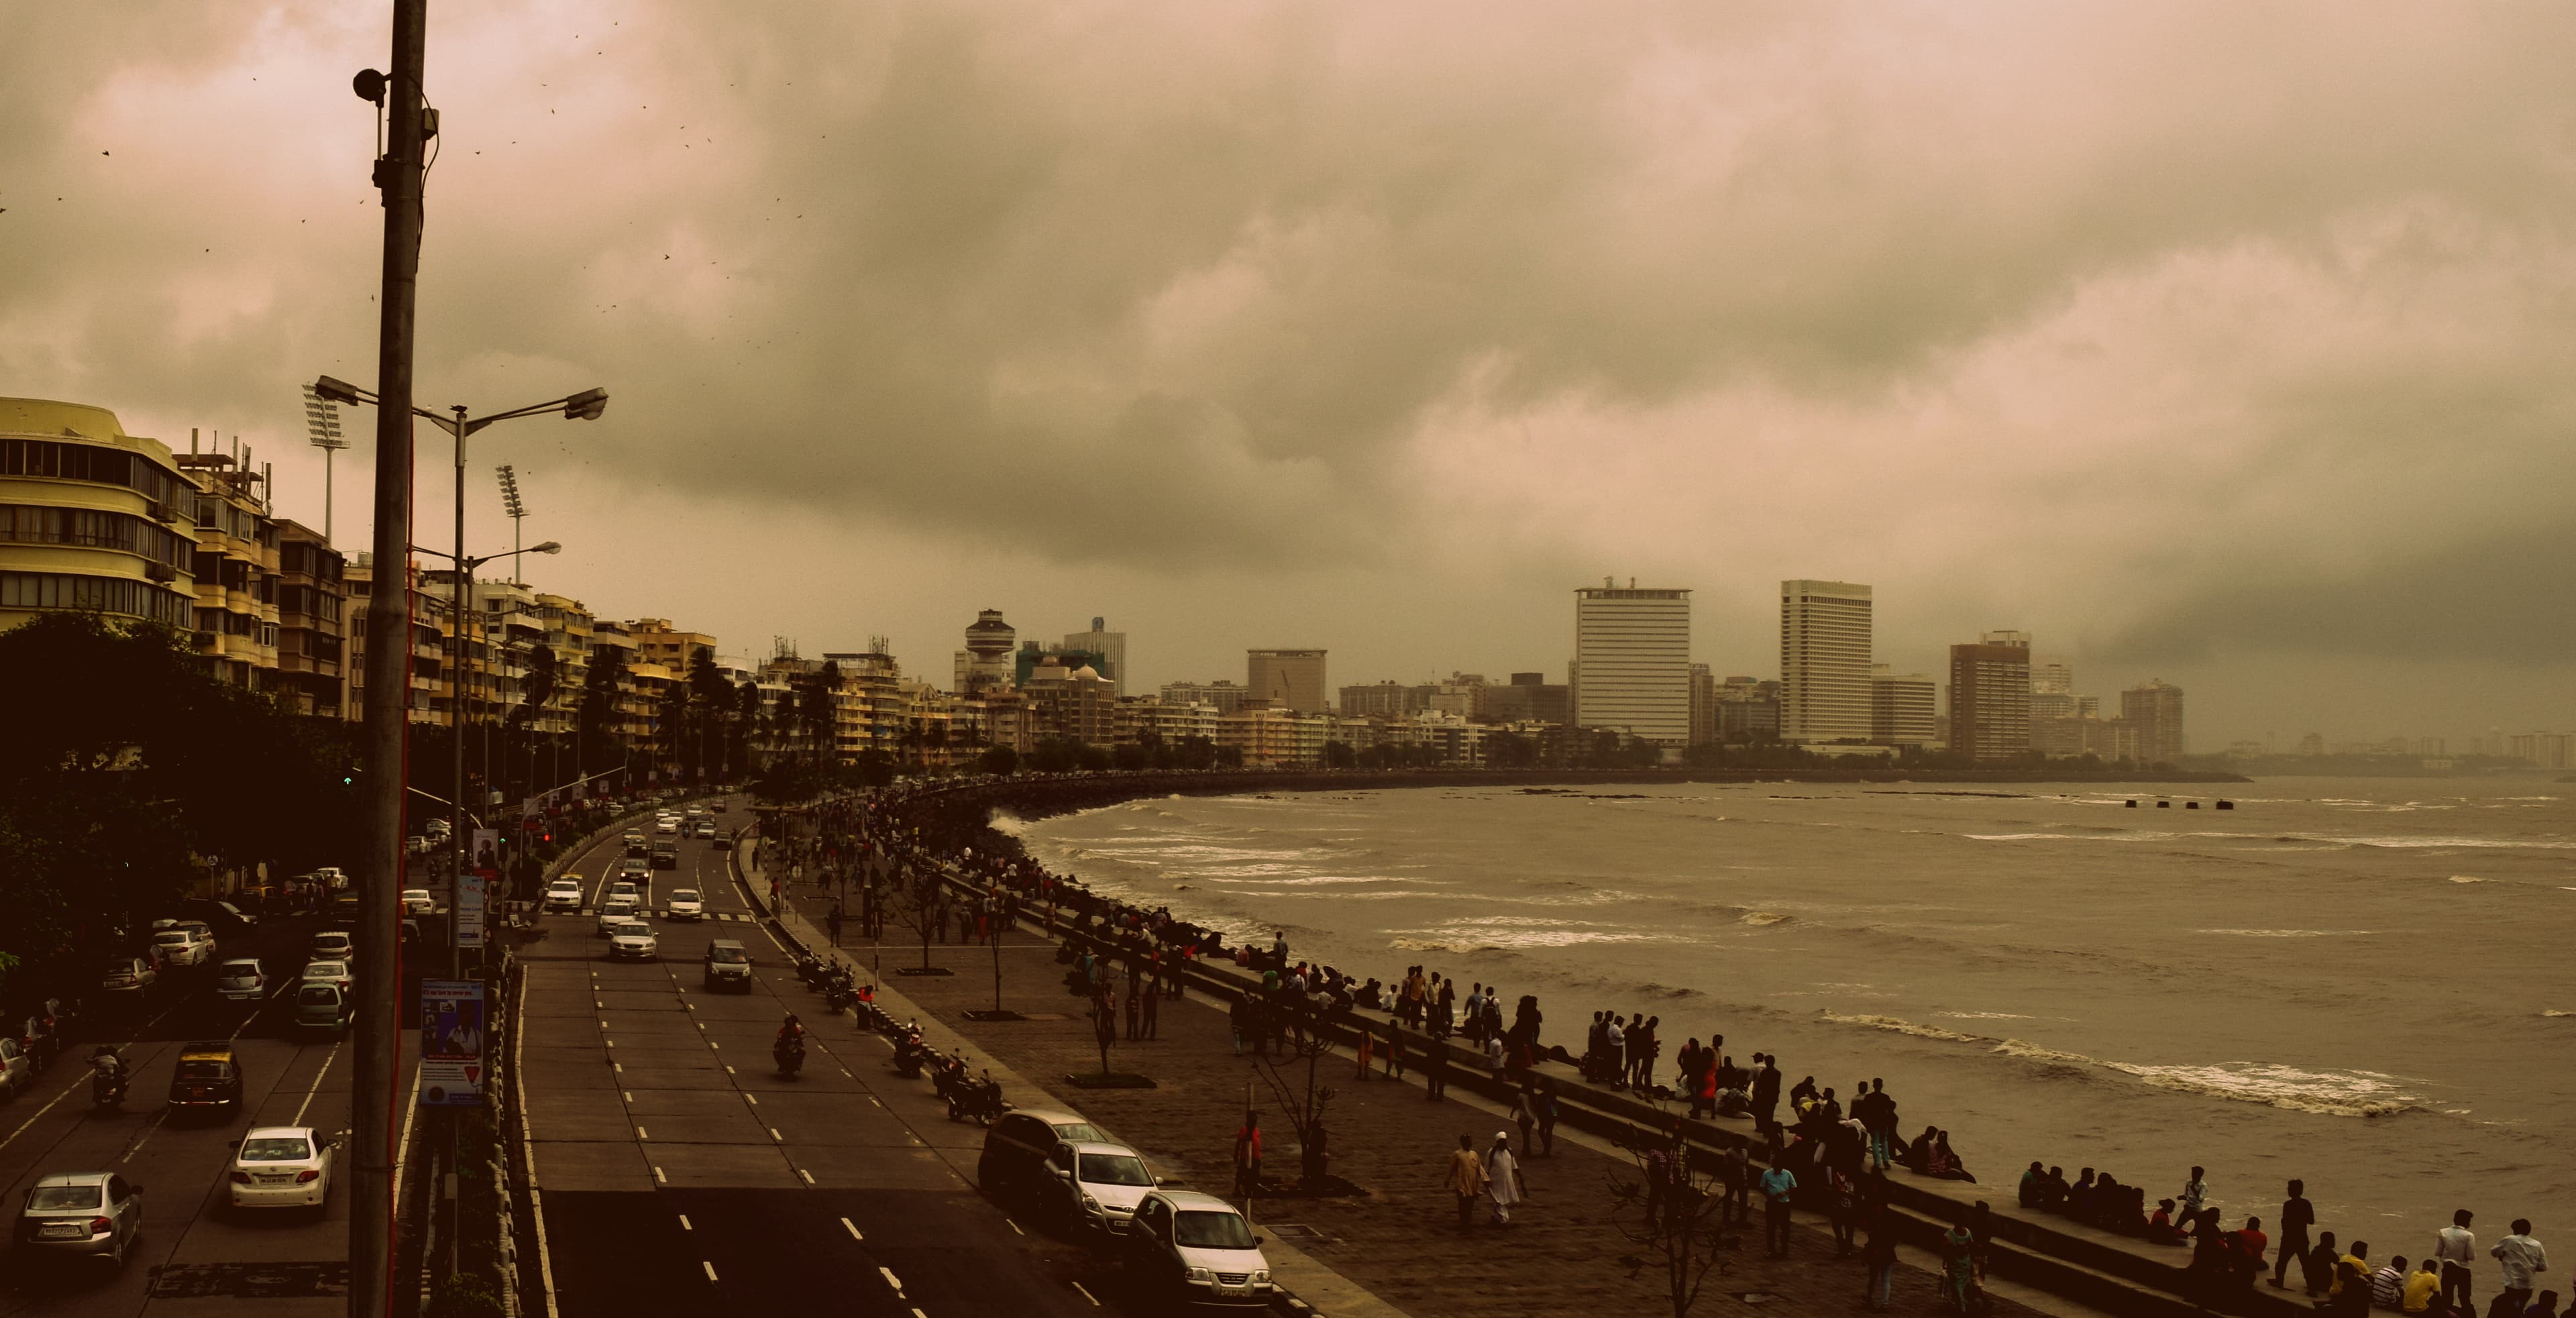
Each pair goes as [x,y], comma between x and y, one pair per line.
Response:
[322,422]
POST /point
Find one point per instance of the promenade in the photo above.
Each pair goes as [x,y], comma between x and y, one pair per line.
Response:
[1397,1244]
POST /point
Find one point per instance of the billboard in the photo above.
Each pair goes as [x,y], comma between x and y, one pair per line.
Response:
[468,909]
[451,1043]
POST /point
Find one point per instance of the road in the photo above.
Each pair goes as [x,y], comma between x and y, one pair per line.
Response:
[679,1172]
[193,1248]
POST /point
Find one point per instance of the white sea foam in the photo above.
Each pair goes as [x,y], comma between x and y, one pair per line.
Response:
[2554,1013]
[1897,1026]
[2292,933]
[2328,1093]
[2466,878]
[1986,1016]
[1760,919]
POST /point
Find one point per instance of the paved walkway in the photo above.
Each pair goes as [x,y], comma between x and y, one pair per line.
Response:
[1401,1240]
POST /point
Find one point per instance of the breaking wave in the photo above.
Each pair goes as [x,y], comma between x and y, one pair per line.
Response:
[1894,1025]
[2327,1093]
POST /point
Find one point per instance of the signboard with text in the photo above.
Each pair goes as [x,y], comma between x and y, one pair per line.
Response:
[468,909]
[451,1043]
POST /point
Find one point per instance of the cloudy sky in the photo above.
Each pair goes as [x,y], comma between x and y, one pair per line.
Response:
[2229,344]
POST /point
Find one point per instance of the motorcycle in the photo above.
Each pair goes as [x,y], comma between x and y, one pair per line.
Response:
[840,998]
[909,1053]
[809,968]
[789,1053]
[107,1088]
[971,1097]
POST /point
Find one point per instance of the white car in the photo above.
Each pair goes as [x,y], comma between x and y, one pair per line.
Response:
[624,888]
[1197,1249]
[179,948]
[666,826]
[241,981]
[685,905]
[330,972]
[614,912]
[332,945]
[564,894]
[633,938]
[417,901]
[282,1167]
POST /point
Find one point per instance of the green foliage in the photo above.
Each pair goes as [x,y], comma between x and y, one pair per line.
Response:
[998,760]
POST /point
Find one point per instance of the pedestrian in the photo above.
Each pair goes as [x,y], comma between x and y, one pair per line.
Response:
[1361,1047]
[2318,1268]
[833,923]
[2388,1285]
[1879,1257]
[1546,1109]
[2457,1249]
[1234,1022]
[1503,1183]
[2297,1215]
[1959,1270]
[1395,1050]
[1777,1187]
[1153,1009]
[1465,1179]
[1435,1069]
[1766,1094]
[1135,1012]
[1842,1203]
[2194,1196]
[1735,1176]
[1525,1113]
[2523,1259]
[1247,1156]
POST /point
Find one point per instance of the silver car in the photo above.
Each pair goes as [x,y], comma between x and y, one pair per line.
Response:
[1198,1249]
[1098,1185]
[91,1214]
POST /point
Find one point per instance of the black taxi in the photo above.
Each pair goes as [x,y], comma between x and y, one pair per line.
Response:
[209,1077]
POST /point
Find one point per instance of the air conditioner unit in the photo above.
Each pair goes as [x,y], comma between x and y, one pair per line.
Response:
[160,571]
[161,512]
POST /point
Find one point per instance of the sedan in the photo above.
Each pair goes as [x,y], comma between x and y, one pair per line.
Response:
[330,972]
[417,901]
[685,905]
[241,981]
[282,1167]
[333,945]
[179,948]
[86,1214]
[127,976]
[633,939]
[564,894]
[614,912]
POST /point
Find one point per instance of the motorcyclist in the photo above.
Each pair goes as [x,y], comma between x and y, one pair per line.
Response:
[107,1072]
[791,1033]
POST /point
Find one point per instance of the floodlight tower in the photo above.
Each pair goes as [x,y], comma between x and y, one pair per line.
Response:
[517,508]
[322,421]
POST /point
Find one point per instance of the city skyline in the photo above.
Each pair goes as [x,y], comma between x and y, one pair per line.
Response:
[1418,500]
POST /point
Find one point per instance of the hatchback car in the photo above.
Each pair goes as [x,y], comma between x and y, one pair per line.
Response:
[1098,1185]
[1017,1146]
[81,1214]
[329,972]
[209,1077]
[564,894]
[727,965]
[180,949]
[128,976]
[17,1067]
[634,843]
[333,945]
[240,980]
[417,901]
[633,940]
[1198,1249]
[322,1006]
[614,912]
[282,1167]
[685,905]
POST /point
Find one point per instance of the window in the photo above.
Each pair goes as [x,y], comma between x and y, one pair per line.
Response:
[89,462]
[39,524]
[64,590]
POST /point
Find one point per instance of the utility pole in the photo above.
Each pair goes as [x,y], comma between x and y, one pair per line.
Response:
[373,1115]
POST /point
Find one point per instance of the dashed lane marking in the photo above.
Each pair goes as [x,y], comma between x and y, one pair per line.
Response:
[854,1231]
[1015,1228]
[774,1135]
[639,1134]
[659,1178]
[1095,1300]
[753,1099]
[891,1279]
[711,1270]
[809,1176]
[684,1223]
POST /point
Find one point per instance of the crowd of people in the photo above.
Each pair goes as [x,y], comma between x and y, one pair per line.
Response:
[1827,1151]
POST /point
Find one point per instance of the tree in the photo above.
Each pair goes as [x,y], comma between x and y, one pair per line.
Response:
[602,719]
[918,901]
[1672,1214]
[1303,1099]
[1196,752]
[1340,755]
[998,760]
[711,700]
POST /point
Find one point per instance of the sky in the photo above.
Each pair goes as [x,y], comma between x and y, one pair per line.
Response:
[2219,343]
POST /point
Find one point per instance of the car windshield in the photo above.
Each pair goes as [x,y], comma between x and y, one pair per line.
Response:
[240,969]
[293,1148]
[1080,1132]
[1213,1230]
[1114,1169]
[51,1198]
[325,970]
[200,1068]
[684,894]
[732,956]
[634,929]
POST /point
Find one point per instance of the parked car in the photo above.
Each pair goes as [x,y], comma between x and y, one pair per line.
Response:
[240,980]
[1015,1153]
[633,941]
[1196,1248]
[727,965]
[81,1215]
[282,1167]
[417,901]
[126,976]
[685,905]
[17,1068]
[333,945]
[1097,1185]
[181,949]
[209,1076]
[564,894]
[322,1006]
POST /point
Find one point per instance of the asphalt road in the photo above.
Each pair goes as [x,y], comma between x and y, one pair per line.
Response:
[680,1173]
[195,1255]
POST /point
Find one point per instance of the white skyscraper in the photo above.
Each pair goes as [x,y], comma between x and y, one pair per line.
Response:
[1825,692]
[1632,662]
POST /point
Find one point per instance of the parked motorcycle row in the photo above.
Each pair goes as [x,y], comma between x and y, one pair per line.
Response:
[976,1097]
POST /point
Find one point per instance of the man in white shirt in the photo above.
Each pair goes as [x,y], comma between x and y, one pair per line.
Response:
[2457,1247]
[2523,1260]
[1614,1045]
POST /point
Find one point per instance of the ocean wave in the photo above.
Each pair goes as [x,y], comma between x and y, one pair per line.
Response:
[1763,919]
[2466,878]
[1420,945]
[2326,1093]
[2554,1013]
[1987,1016]
[1895,1025]
[2291,933]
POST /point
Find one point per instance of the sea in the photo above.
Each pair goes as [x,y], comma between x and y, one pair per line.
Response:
[2368,983]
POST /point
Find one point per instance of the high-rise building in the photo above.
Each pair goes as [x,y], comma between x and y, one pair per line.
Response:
[1703,705]
[1288,679]
[1108,647]
[92,519]
[658,642]
[2154,709]
[311,622]
[2051,675]
[986,660]
[1222,696]
[1990,696]
[1824,661]
[1632,661]
[1903,707]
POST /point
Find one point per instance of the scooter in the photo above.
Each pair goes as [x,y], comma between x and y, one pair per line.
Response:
[789,1053]
[107,1085]
[809,968]
[840,997]
[977,1098]
[909,1053]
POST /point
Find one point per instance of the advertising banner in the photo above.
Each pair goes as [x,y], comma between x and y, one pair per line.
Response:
[469,909]
[451,1043]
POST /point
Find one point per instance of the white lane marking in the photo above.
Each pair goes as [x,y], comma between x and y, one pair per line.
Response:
[1015,1228]
[639,1134]
[872,1099]
[1095,1300]
[891,1279]
[282,987]
[711,1270]
[630,1094]
[684,1223]
[729,1070]
[919,1314]
[148,1131]
[809,1176]
[845,1074]
[317,1083]
[711,1043]
[621,1067]
[854,1231]
[773,1134]
[753,1099]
